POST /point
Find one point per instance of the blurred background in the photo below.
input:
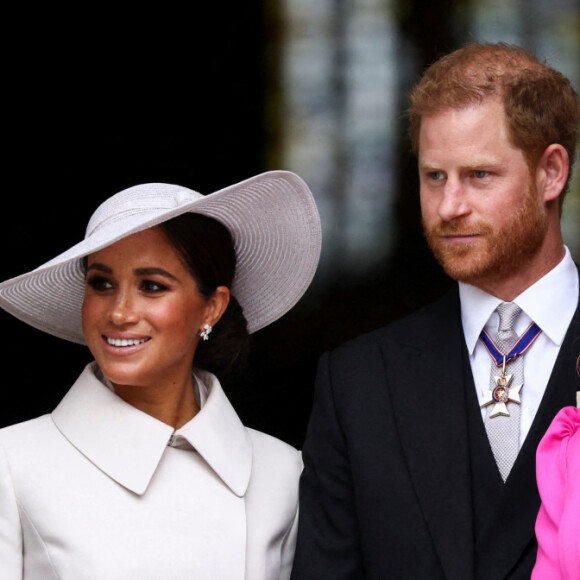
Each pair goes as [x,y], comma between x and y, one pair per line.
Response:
[99,100]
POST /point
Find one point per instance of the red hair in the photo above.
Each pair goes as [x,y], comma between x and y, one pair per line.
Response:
[540,105]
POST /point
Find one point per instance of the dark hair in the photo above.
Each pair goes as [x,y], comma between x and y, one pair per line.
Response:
[207,249]
[541,107]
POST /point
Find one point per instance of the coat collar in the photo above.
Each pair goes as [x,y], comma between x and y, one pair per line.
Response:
[128,445]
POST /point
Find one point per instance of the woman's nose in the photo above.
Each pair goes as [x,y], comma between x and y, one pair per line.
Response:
[123,309]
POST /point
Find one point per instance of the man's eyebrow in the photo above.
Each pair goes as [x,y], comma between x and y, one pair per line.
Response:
[473,165]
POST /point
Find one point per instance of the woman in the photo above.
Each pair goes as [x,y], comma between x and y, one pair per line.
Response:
[558,474]
[144,469]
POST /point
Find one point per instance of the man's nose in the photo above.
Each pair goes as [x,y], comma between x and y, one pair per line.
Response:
[454,203]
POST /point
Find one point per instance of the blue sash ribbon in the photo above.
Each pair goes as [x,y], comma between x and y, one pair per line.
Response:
[523,343]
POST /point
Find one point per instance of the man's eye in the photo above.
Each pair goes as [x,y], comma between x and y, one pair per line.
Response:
[480,174]
[99,283]
[436,175]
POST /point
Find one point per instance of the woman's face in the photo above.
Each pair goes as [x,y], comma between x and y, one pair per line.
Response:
[142,312]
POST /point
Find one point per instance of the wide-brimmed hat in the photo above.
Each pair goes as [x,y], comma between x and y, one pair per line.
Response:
[273,220]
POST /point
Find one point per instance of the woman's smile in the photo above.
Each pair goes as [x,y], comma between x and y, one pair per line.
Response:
[125,342]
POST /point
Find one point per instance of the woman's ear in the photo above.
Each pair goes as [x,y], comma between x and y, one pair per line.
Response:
[216,305]
[552,171]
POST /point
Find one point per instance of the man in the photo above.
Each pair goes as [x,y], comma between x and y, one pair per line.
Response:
[420,453]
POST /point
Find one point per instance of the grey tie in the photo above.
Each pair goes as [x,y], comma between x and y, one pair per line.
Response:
[503,431]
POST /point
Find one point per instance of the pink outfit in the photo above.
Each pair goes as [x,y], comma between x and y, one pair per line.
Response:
[558,523]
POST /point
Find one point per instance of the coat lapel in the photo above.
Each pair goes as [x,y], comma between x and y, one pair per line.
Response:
[428,394]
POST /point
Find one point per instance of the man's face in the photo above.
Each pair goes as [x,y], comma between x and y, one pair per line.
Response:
[482,215]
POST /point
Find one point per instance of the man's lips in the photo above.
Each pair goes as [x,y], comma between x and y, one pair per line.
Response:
[459,238]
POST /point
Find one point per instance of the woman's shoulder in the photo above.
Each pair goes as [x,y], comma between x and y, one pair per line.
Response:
[267,448]
[275,475]
[22,442]
[25,429]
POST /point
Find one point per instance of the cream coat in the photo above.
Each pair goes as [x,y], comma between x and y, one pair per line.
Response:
[94,491]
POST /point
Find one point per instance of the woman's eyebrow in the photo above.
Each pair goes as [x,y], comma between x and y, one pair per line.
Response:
[154,272]
[150,271]
[100,268]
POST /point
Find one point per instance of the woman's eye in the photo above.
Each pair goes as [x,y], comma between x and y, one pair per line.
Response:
[152,287]
[436,175]
[99,283]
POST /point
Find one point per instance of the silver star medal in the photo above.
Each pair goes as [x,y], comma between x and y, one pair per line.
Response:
[501,394]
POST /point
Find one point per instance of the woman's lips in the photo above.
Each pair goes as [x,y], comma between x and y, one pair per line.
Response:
[124,342]
[117,345]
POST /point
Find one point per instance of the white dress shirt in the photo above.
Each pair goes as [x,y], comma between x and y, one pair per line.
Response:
[100,490]
[550,303]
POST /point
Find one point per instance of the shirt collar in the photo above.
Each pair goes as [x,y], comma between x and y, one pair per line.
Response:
[127,444]
[550,303]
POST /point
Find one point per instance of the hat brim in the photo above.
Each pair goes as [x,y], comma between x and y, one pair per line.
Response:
[276,230]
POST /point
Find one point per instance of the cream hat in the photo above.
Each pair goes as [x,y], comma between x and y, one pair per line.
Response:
[273,220]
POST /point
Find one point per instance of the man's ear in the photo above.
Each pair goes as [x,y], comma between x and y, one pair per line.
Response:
[552,171]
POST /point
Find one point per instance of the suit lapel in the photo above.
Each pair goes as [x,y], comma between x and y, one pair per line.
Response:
[428,396]
[519,503]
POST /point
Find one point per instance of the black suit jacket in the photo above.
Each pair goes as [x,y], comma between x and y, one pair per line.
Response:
[387,485]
